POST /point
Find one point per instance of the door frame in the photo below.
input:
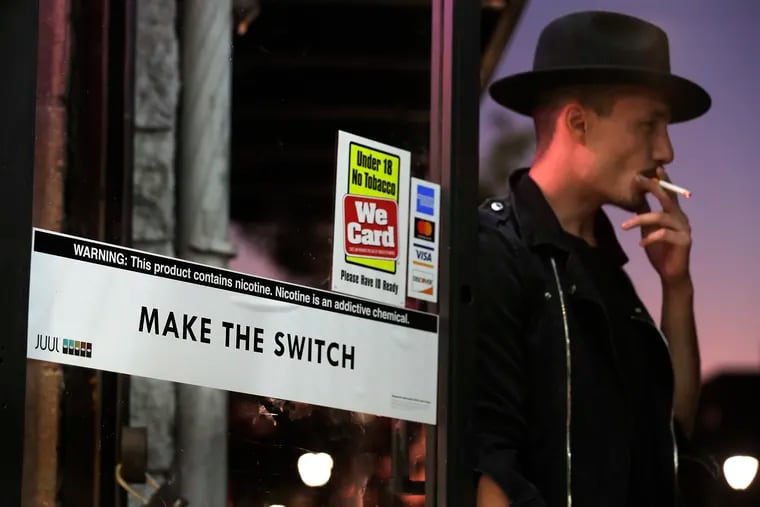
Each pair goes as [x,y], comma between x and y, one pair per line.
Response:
[18,52]
[454,119]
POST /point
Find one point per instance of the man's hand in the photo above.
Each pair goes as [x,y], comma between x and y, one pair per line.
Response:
[490,494]
[665,234]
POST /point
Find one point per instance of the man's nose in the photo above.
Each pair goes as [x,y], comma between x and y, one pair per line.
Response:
[663,149]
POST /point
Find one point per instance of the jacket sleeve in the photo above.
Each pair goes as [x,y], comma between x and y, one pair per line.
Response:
[498,417]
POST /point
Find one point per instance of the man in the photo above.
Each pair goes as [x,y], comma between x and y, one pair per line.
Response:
[580,397]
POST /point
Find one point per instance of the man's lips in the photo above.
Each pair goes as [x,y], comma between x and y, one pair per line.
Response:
[650,173]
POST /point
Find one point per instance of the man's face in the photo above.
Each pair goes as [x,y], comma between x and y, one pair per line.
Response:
[632,140]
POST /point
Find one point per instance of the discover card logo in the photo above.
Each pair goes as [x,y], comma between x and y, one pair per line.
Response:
[422,282]
[63,345]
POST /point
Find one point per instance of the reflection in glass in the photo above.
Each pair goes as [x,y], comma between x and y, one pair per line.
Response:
[301,72]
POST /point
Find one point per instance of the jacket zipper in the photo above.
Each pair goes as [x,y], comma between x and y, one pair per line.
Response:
[568,389]
[568,385]
[672,412]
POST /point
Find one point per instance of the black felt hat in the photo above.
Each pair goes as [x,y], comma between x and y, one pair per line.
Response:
[597,47]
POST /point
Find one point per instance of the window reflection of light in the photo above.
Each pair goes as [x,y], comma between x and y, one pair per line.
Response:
[740,471]
[315,468]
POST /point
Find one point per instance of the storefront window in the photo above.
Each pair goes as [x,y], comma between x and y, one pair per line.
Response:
[300,73]
[237,109]
[187,162]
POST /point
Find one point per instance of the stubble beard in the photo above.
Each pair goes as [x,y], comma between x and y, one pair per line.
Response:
[633,203]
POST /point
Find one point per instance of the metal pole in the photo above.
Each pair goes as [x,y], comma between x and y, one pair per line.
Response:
[43,393]
[203,178]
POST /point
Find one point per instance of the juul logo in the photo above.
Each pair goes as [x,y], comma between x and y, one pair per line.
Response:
[63,345]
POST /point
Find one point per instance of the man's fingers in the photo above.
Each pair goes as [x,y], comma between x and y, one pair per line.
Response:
[666,236]
[657,218]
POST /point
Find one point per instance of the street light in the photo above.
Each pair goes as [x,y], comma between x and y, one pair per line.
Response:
[722,454]
[740,471]
[315,468]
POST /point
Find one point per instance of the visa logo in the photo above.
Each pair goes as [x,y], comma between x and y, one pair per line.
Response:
[423,255]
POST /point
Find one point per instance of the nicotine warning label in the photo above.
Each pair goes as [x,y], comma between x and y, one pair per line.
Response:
[116,309]
[371,219]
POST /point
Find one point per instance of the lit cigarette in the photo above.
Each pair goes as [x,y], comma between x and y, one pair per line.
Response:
[673,188]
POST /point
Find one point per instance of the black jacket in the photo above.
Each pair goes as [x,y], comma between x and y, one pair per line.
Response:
[553,410]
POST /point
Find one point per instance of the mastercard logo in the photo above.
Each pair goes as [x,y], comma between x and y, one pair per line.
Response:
[424,229]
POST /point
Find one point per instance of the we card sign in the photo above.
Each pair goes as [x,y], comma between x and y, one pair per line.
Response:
[371,220]
[371,227]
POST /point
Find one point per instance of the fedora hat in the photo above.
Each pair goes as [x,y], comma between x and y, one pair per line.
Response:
[598,47]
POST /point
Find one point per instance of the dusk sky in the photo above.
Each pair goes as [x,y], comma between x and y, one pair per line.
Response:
[717,44]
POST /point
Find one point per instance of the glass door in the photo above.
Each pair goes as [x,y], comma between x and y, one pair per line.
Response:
[191,195]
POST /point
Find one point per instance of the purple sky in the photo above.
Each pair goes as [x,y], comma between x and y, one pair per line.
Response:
[715,43]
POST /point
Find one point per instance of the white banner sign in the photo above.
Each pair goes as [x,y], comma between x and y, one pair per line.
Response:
[371,219]
[121,310]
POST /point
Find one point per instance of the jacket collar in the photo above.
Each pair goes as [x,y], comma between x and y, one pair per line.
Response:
[539,225]
[540,229]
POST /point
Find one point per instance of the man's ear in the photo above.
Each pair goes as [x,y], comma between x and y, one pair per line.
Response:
[575,119]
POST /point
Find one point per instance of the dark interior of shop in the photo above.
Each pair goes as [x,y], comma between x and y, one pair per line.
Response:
[301,72]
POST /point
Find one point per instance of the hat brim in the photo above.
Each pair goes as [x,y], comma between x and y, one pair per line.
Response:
[522,92]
